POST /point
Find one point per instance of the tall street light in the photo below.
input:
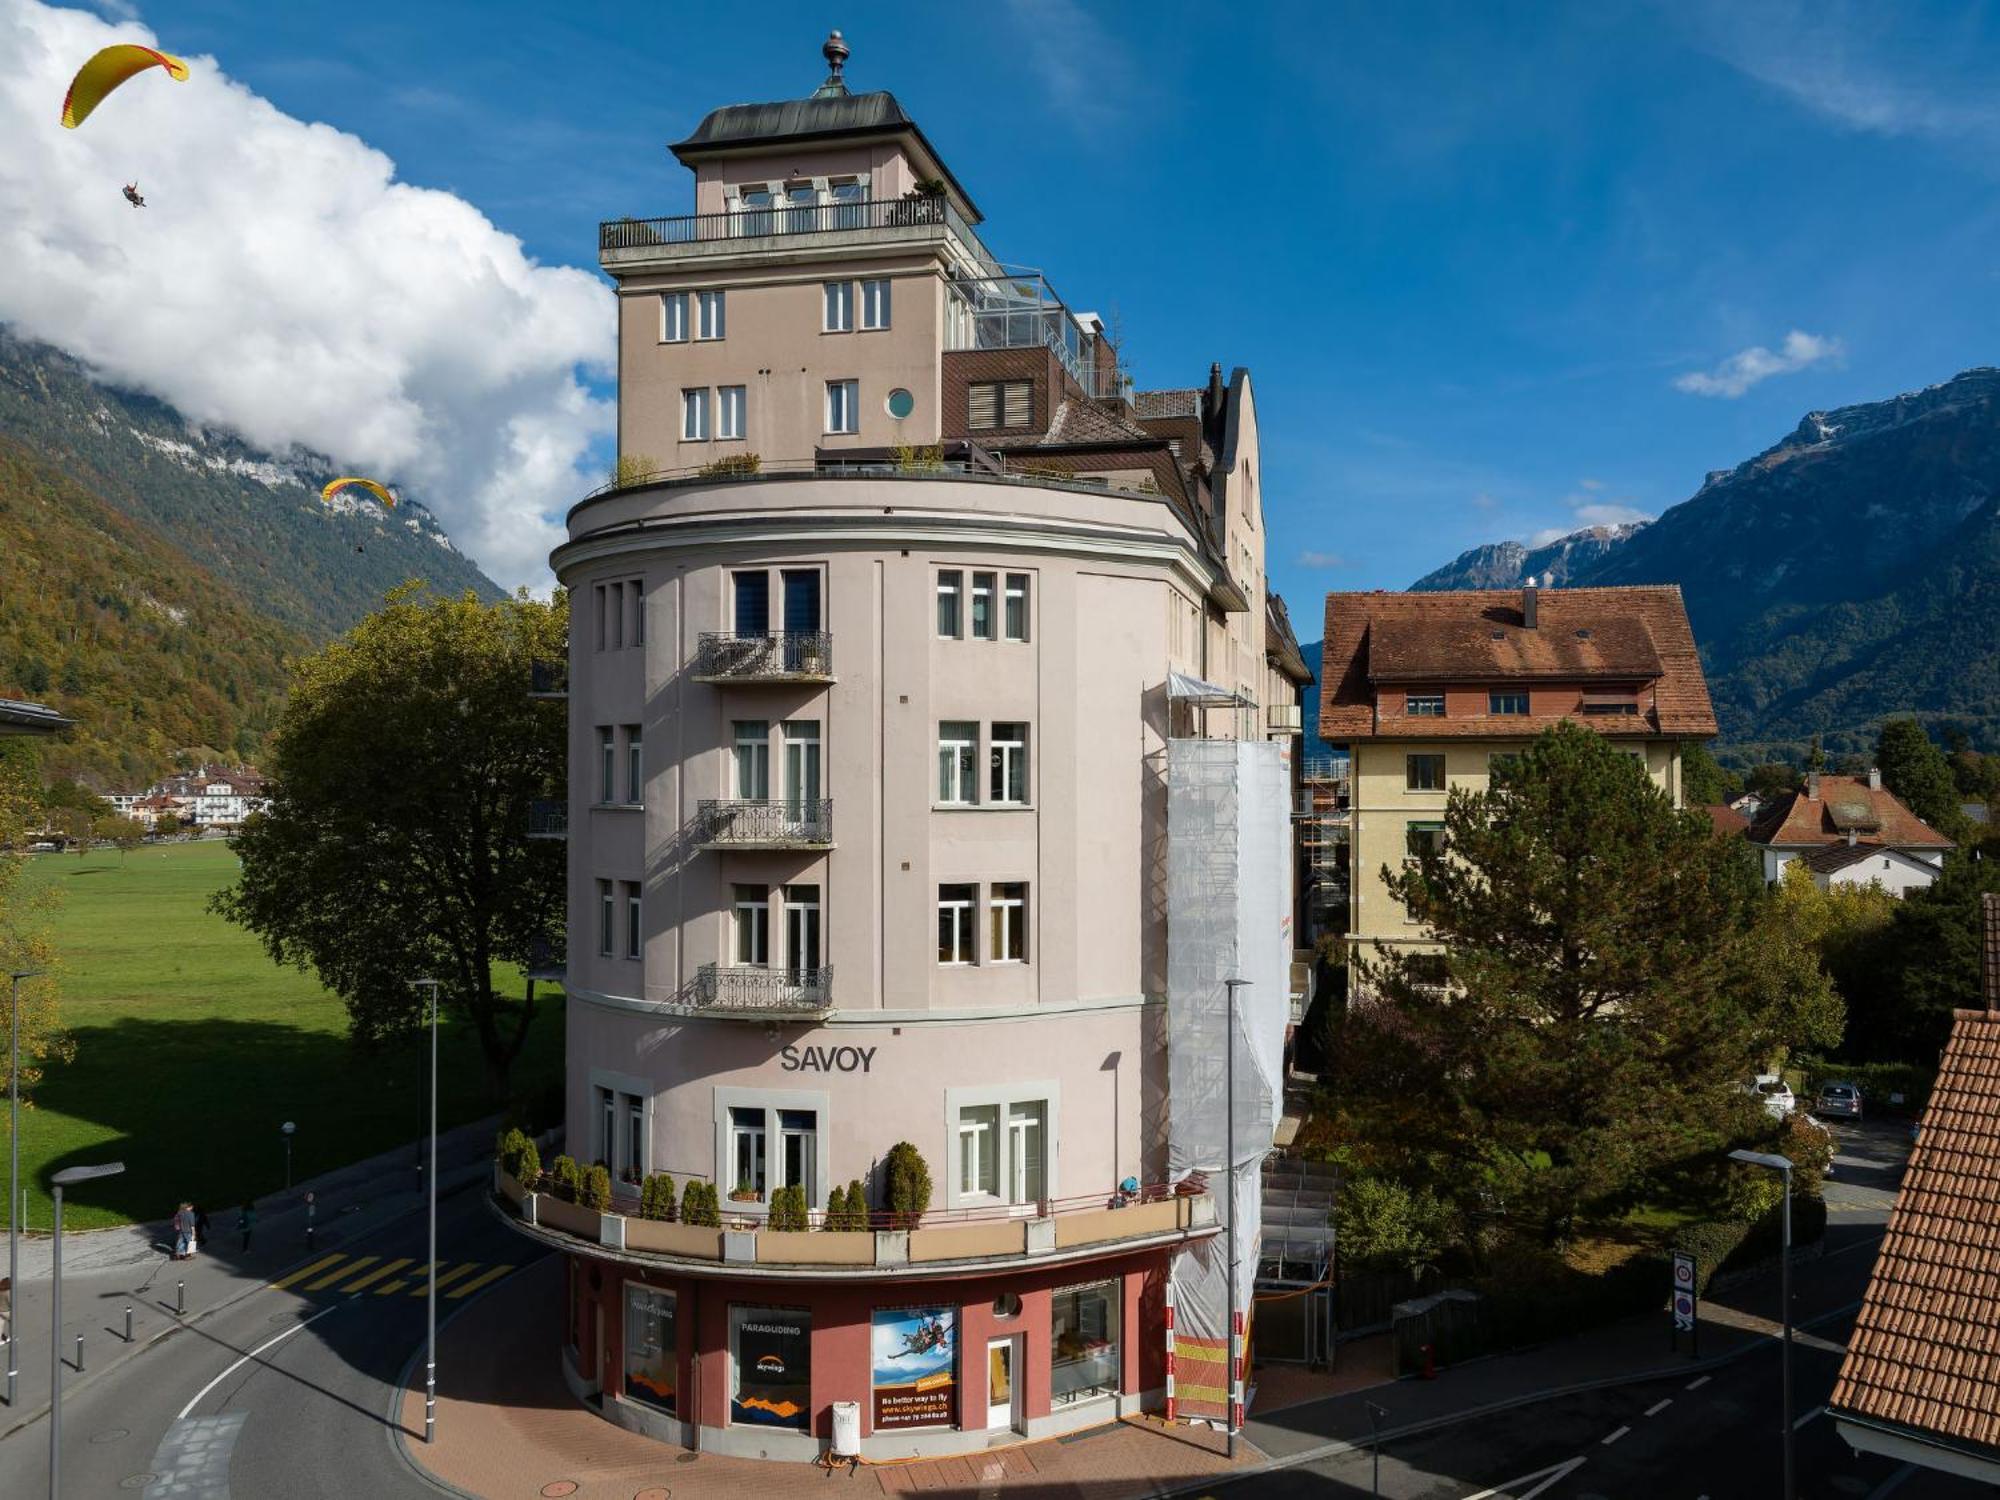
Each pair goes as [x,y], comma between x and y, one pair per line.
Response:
[14,1177]
[68,1177]
[431,1295]
[287,1128]
[1782,1165]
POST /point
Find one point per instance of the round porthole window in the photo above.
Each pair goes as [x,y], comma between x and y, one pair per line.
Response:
[901,403]
[1007,1305]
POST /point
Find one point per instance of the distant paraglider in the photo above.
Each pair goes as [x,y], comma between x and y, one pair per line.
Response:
[386,496]
[105,71]
[132,195]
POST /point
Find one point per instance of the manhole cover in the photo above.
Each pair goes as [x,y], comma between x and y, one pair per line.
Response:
[558,1487]
[111,1434]
[657,1492]
[136,1481]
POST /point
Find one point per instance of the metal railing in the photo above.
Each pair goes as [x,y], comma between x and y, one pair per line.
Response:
[993,468]
[794,823]
[729,230]
[781,656]
[548,819]
[547,960]
[548,678]
[760,991]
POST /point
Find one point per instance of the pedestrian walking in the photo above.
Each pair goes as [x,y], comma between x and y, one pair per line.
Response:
[184,1232]
[246,1223]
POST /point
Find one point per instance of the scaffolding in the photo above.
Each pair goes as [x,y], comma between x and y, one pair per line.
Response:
[1229,902]
[1322,813]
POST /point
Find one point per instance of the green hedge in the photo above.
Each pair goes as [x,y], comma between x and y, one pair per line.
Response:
[1877,1081]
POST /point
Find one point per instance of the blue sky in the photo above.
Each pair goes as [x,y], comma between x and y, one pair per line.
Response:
[1497,270]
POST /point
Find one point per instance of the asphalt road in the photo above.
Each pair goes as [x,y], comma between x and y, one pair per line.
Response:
[284,1394]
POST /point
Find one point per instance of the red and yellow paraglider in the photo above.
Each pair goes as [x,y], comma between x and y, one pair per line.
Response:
[380,492]
[106,71]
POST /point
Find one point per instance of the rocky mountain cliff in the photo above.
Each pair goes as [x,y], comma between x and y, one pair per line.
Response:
[1506,565]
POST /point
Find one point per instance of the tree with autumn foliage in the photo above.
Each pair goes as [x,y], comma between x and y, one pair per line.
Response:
[25,940]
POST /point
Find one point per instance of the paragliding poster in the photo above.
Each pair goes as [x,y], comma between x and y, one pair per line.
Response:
[772,1348]
[915,1362]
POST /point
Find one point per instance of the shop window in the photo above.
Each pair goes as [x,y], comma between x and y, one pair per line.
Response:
[770,1367]
[1084,1355]
[652,1362]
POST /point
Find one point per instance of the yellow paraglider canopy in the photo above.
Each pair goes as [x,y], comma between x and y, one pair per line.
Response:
[378,491]
[105,71]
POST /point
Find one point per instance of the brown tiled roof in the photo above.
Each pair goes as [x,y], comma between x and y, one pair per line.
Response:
[1727,819]
[1924,1358]
[1844,802]
[1839,856]
[1087,422]
[1183,403]
[1634,633]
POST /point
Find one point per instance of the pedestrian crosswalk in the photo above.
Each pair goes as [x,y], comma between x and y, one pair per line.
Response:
[371,1275]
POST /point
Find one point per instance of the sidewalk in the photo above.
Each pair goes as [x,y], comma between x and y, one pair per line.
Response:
[107,1270]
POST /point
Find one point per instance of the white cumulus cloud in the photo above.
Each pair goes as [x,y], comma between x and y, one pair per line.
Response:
[1747,367]
[284,284]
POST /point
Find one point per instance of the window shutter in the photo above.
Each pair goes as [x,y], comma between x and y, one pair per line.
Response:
[983,406]
[1020,404]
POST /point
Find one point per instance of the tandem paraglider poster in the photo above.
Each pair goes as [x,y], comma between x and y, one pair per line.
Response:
[915,1361]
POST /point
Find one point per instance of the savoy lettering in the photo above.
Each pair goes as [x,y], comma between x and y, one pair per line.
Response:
[796,1059]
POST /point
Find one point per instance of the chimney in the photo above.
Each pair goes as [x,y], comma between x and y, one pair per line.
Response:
[1989,969]
[1852,838]
[1874,778]
[1531,604]
[1812,786]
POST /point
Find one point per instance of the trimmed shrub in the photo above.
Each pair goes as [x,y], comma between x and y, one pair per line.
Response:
[508,1148]
[597,1189]
[836,1209]
[656,1197]
[566,1178]
[908,1178]
[788,1209]
[528,1167]
[857,1205]
[700,1205]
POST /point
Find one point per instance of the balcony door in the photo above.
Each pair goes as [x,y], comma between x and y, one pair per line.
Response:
[753,760]
[801,770]
[753,603]
[802,931]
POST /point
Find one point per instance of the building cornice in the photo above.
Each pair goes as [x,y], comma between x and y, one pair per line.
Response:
[838,1019]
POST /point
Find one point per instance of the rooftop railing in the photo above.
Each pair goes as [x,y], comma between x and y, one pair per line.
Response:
[800,823]
[724,232]
[749,990]
[996,467]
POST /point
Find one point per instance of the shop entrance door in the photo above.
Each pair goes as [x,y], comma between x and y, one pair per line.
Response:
[1002,1383]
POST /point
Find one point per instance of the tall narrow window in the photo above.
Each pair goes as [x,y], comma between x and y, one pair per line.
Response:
[798,1151]
[875,304]
[1007,758]
[601,593]
[746,1152]
[1017,607]
[635,591]
[616,593]
[694,415]
[674,317]
[801,207]
[606,920]
[710,313]
[1007,914]
[753,602]
[958,755]
[1026,1153]
[635,1138]
[843,406]
[753,760]
[801,599]
[979,1150]
[607,1126]
[635,930]
[837,302]
[635,765]
[950,591]
[955,923]
[802,931]
[982,606]
[606,764]
[729,411]
[802,770]
[750,908]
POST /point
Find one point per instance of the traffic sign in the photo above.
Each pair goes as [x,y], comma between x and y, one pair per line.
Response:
[1684,1282]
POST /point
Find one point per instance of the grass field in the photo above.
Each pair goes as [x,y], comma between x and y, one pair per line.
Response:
[192,1048]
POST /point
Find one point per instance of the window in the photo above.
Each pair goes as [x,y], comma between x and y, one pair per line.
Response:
[746,1154]
[1016,625]
[1423,773]
[979,1150]
[1007,758]
[798,1152]
[875,304]
[635,594]
[1430,971]
[753,760]
[708,307]
[802,769]
[605,913]
[1025,1134]
[694,416]
[838,301]
[634,928]
[802,929]
[958,751]
[770,1367]
[1007,914]
[1507,703]
[843,406]
[652,1347]
[1610,705]
[600,594]
[751,914]
[729,410]
[606,764]
[635,765]
[1000,403]
[756,210]
[950,588]
[1424,705]
[1424,838]
[848,197]
[1084,1354]
[674,318]
[802,613]
[753,602]
[607,1126]
[802,207]
[982,606]
[955,924]
[634,1169]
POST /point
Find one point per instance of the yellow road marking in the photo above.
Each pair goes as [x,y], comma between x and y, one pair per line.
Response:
[479,1281]
[443,1276]
[385,1269]
[334,1275]
[304,1271]
[392,1286]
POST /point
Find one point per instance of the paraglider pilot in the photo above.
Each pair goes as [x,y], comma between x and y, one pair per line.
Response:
[132,195]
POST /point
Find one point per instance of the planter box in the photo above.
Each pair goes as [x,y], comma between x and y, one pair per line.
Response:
[808,1248]
[739,1245]
[1100,1225]
[570,1218]
[660,1238]
[892,1247]
[507,1187]
[976,1241]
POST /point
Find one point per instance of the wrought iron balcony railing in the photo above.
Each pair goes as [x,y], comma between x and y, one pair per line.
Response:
[548,679]
[548,819]
[783,656]
[799,823]
[757,991]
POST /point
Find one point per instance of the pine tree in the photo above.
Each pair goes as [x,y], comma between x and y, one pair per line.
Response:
[1916,770]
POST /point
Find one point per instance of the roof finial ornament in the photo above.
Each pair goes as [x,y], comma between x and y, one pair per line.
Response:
[835,53]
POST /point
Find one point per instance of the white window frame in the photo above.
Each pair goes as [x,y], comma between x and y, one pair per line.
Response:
[960,773]
[985,586]
[607,765]
[796,907]
[965,923]
[635,925]
[635,765]
[749,926]
[1015,591]
[1001,756]
[770,1101]
[732,407]
[758,762]
[621,1087]
[979,1127]
[955,591]
[876,303]
[674,317]
[1003,1098]
[607,923]
[996,906]
[843,405]
[836,307]
[711,316]
[694,413]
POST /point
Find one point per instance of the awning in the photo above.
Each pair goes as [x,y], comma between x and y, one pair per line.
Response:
[1204,694]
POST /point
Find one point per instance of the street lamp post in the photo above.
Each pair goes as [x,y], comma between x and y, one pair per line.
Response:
[431,1294]
[287,1128]
[1782,1165]
[14,1176]
[1235,1199]
[65,1178]
[1375,1416]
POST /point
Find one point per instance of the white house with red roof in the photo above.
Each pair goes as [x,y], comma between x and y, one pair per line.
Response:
[1849,830]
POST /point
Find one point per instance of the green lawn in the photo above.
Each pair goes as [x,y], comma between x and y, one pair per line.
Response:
[192,1047]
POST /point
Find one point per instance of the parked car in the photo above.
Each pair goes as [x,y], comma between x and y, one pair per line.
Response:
[1840,1101]
[1776,1094]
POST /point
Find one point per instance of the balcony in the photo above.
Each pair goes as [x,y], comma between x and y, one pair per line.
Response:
[548,819]
[805,823]
[762,994]
[784,656]
[789,230]
[943,1242]
[547,962]
[1020,310]
[1284,718]
[548,679]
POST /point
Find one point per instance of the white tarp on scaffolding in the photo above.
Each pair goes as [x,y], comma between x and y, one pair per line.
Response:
[1229,905]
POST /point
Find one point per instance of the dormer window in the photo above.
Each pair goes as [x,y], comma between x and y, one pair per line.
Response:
[848,196]
[756,213]
[801,207]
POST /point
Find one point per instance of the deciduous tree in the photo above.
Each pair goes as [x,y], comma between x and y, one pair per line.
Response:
[25,939]
[1916,771]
